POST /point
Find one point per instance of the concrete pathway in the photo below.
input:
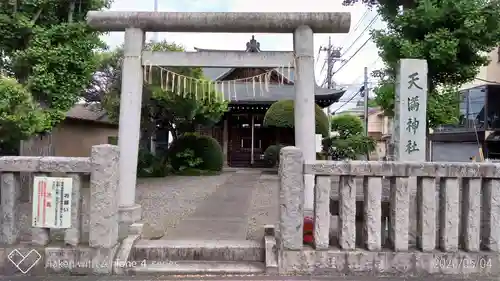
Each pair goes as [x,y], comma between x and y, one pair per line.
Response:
[223,215]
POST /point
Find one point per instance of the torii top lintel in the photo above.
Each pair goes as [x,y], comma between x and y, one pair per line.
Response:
[219,22]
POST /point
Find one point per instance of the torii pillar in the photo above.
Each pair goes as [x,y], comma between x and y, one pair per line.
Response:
[302,25]
[304,111]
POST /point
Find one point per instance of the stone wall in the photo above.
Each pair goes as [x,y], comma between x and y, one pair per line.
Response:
[466,241]
[94,209]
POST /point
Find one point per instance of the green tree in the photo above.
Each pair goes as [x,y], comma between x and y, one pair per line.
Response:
[347,140]
[47,50]
[20,116]
[454,36]
[372,103]
[281,114]
[178,112]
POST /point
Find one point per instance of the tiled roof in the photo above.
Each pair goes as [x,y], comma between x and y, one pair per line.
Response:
[245,92]
[88,113]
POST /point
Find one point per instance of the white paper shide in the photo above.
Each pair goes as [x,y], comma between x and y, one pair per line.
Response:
[52,202]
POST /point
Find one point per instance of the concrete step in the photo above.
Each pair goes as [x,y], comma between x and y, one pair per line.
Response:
[199,267]
[205,250]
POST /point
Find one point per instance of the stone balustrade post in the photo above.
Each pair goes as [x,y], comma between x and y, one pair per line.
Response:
[449,214]
[104,177]
[322,212]
[10,191]
[347,213]
[400,204]
[426,213]
[291,199]
[372,189]
[491,233]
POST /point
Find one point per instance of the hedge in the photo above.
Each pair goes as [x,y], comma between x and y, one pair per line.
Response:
[204,147]
[281,114]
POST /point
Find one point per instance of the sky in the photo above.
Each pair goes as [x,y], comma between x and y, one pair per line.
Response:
[348,73]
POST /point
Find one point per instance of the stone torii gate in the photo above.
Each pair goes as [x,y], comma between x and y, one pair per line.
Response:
[135,24]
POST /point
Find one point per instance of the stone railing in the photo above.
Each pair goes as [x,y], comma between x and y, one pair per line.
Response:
[102,166]
[458,223]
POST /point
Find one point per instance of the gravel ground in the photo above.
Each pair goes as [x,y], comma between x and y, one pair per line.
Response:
[264,206]
[167,200]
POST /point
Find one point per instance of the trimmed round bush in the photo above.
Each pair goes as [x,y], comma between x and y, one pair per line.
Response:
[149,165]
[272,154]
[281,114]
[204,147]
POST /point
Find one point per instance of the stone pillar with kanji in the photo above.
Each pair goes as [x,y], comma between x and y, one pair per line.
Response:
[410,119]
[410,127]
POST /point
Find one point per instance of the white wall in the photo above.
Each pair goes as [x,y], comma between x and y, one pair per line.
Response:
[490,72]
[454,151]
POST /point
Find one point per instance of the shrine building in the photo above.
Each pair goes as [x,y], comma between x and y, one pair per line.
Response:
[241,132]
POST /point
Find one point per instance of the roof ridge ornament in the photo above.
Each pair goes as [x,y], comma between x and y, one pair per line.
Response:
[253,45]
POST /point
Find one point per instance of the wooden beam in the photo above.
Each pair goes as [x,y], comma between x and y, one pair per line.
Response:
[218,59]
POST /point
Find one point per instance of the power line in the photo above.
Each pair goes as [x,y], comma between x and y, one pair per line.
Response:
[353,84]
[358,24]
[348,101]
[361,20]
[364,44]
[355,53]
[317,56]
[361,34]
[361,75]
[355,40]
[487,81]
[333,55]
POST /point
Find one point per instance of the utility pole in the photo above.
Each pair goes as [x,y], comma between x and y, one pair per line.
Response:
[152,143]
[365,104]
[333,55]
[329,67]
[155,36]
[366,91]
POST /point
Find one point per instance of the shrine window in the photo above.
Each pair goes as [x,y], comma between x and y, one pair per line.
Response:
[257,143]
[246,143]
[240,121]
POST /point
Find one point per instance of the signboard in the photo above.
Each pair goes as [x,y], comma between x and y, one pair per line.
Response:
[411,111]
[52,202]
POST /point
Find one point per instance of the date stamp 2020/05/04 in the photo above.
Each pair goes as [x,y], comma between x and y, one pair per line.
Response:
[462,262]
